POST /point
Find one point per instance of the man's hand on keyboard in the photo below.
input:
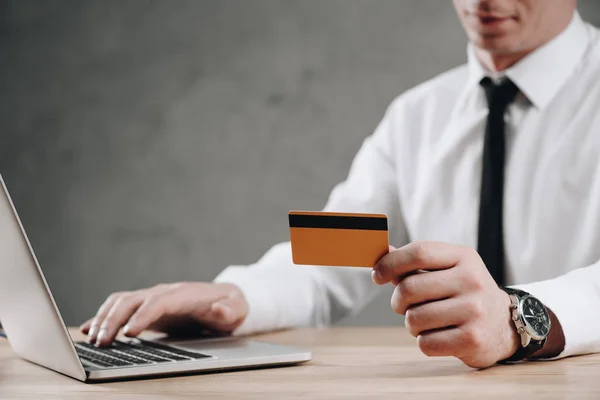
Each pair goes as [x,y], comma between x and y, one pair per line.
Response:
[166,308]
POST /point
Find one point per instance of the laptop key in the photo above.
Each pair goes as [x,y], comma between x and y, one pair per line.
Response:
[143,354]
[167,352]
[131,359]
[174,350]
[163,354]
[99,357]
[138,352]
[95,362]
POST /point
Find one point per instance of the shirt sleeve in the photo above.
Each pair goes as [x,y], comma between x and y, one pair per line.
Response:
[575,300]
[283,295]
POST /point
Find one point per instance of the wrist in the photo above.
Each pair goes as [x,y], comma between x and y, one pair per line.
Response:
[512,339]
[537,327]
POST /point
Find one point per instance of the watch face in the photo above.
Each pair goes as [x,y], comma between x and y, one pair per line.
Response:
[535,316]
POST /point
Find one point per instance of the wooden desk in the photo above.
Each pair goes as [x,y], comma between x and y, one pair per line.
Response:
[347,363]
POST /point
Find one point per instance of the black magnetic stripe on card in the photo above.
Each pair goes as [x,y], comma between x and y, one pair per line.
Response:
[338,222]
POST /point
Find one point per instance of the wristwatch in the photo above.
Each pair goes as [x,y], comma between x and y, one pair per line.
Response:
[531,320]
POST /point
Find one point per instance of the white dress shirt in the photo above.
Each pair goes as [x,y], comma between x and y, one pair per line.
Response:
[422,167]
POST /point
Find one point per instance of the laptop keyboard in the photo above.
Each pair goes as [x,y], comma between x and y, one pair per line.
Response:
[139,352]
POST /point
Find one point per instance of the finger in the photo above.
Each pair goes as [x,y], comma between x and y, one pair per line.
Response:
[226,312]
[112,299]
[374,277]
[440,343]
[458,342]
[118,316]
[85,327]
[426,287]
[100,315]
[152,308]
[395,281]
[415,256]
[171,300]
[441,314]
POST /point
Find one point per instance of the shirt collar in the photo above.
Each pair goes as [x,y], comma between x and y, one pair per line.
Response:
[541,74]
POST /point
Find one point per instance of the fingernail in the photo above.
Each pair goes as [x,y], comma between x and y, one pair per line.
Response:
[214,308]
[126,329]
[376,276]
[101,336]
[92,333]
[225,309]
[223,312]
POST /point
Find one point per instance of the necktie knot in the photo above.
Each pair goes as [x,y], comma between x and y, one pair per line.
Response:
[499,95]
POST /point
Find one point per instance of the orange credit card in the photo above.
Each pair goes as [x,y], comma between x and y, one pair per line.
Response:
[338,239]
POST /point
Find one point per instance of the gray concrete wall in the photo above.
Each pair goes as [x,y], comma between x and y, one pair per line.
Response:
[151,141]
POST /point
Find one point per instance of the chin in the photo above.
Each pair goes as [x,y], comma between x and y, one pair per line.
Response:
[497,44]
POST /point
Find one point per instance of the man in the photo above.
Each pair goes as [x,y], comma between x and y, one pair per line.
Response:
[490,177]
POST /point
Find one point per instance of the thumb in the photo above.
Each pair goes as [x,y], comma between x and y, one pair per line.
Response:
[228,311]
[375,274]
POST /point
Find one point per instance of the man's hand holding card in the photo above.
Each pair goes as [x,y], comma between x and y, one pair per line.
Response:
[450,301]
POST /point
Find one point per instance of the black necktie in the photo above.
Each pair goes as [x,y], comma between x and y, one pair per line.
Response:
[490,243]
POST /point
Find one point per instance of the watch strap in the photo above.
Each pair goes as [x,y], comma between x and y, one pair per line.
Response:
[524,352]
[518,292]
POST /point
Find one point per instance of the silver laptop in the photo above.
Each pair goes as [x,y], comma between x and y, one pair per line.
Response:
[37,333]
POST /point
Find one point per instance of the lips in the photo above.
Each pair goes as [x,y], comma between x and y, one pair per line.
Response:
[490,20]
[491,23]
